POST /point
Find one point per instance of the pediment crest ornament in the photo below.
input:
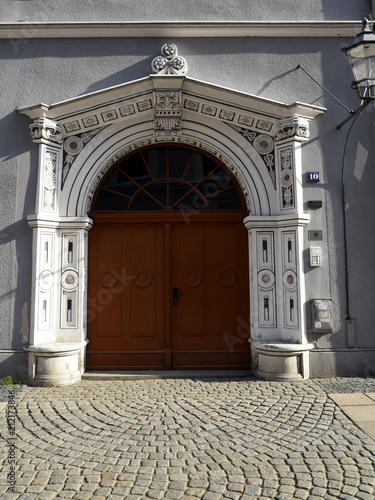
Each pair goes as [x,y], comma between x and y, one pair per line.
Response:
[169,62]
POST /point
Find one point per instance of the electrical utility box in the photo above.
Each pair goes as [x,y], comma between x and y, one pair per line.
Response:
[321,315]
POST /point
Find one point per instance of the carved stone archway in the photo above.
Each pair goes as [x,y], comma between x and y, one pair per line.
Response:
[257,139]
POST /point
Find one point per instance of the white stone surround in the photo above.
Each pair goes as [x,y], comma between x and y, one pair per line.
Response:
[259,141]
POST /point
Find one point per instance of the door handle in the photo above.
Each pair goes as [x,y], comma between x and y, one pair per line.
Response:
[176,295]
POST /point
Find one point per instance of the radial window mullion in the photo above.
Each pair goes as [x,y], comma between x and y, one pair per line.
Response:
[188,166]
[218,192]
[146,165]
[116,192]
[196,186]
[141,187]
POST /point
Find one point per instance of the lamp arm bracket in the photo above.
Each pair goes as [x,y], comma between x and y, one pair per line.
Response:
[354,113]
[325,90]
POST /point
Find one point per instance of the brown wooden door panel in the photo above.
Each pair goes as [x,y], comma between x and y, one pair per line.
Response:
[188,274]
[214,257]
[143,302]
[223,280]
[112,360]
[126,326]
[132,321]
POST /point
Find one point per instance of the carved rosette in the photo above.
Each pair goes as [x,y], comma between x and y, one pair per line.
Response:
[45,131]
[168,112]
[295,127]
[73,145]
[263,144]
[169,62]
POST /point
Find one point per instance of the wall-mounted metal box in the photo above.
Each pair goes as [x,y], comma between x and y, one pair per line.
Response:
[321,315]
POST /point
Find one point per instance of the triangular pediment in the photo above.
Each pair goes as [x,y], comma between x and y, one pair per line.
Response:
[136,100]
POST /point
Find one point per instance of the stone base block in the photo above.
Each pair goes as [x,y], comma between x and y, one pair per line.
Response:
[278,361]
[56,364]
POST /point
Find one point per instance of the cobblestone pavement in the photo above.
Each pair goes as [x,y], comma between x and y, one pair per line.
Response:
[187,439]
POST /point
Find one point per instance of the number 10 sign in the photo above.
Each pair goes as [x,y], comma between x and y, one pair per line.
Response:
[313,176]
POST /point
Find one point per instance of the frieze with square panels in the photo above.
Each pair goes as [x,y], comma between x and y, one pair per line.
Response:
[228,115]
[107,116]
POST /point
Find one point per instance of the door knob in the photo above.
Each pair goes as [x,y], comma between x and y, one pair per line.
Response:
[176,295]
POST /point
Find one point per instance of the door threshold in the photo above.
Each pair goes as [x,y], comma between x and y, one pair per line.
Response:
[165,374]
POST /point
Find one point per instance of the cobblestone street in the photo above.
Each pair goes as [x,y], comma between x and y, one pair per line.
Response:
[237,438]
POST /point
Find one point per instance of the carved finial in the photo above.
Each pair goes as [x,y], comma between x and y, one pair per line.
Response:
[169,62]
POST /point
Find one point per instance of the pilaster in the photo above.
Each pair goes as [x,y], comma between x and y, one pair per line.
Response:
[279,343]
[58,320]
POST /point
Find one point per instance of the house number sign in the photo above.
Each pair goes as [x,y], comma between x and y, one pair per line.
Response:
[313,176]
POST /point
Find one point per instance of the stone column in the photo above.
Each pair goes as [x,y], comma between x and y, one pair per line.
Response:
[58,318]
[279,344]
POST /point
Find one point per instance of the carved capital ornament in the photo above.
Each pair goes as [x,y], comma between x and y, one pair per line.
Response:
[46,131]
[295,127]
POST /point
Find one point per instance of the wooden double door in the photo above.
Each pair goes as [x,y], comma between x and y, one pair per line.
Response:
[168,295]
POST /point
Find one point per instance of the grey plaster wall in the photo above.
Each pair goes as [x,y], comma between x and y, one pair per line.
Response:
[35,70]
[175,10]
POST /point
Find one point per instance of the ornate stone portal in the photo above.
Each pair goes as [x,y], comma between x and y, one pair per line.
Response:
[258,140]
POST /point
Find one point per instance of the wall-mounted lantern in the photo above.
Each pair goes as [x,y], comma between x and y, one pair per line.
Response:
[361,55]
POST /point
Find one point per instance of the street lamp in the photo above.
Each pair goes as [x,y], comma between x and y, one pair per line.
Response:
[361,55]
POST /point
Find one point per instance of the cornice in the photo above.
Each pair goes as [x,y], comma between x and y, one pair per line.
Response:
[191,88]
[180,29]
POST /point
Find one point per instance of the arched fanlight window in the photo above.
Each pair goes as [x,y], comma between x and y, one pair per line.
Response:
[168,178]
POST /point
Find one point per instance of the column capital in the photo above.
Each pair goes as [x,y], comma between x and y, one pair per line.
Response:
[293,128]
[46,131]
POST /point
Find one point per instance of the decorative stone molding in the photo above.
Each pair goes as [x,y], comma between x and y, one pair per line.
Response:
[73,146]
[281,360]
[49,180]
[264,145]
[279,342]
[169,62]
[56,363]
[181,140]
[286,178]
[45,131]
[145,112]
[187,29]
[168,112]
[295,127]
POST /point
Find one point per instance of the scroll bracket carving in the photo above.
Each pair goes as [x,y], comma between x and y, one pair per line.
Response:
[46,131]
[295,128]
